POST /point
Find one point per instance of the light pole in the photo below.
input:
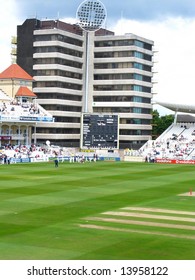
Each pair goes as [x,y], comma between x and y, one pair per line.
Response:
[91,15]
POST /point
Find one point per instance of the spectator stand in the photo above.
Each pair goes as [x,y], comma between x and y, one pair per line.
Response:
[18,117]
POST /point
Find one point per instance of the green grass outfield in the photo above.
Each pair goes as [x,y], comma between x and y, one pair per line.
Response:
[98,211]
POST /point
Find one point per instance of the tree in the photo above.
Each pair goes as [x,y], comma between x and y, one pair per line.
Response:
[160,123]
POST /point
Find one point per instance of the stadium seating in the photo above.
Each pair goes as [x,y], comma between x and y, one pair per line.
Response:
[13,108]
[177,142]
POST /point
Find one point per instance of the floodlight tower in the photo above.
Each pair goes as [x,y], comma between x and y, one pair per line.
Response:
[91,15]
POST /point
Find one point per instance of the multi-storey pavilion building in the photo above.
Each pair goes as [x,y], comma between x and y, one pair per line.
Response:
[19,111]
[119,79]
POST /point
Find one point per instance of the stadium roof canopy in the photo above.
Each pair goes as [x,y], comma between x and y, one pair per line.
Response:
[184,108]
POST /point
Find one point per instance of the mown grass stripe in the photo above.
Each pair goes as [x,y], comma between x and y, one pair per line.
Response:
[97,227]
[142,223]
[149,216]
[159,210]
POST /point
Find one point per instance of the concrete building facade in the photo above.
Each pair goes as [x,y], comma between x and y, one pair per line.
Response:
[118,79]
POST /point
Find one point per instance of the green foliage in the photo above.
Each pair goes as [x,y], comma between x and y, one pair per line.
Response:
[160,123]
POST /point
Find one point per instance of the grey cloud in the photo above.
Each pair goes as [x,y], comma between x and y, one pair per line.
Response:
[130,9]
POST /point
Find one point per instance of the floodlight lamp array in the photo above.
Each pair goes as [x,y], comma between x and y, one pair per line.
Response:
[91,15]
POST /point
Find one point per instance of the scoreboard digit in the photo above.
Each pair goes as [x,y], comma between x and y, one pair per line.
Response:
[99,131]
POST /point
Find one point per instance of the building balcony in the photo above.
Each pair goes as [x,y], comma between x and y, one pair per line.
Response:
[55,136]
[134,137]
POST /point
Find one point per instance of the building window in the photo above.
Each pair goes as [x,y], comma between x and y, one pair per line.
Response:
[139,44]
[137,88]
[138,65]
[138,54]
[137,77]
[137,110]
[137,99]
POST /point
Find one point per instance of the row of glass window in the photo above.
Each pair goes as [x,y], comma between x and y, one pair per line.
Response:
[121,99]
[134,132]
[66,108]
[122,88]
[77,131]
[119,65]
[57,95]
[123,54]
[134,110]
[122,76]
[72,52]
[59,37]
[96,87]
[43,84]
[136,121]
[124,42]
[55,130]
[108,43]
[57,72]
[73,75]
[115,65]
[73,119]
[58,49]
[60,61]
[67,119]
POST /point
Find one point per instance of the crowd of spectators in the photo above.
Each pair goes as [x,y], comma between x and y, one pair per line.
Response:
[174,147]
[10,154]
[15,107]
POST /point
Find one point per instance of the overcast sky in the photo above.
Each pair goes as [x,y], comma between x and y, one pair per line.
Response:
[169,23]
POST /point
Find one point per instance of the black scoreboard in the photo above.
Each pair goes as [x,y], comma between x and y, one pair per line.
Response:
[99,131]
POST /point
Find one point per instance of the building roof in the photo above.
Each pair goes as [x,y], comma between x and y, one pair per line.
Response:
[14,71]
[25,92]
